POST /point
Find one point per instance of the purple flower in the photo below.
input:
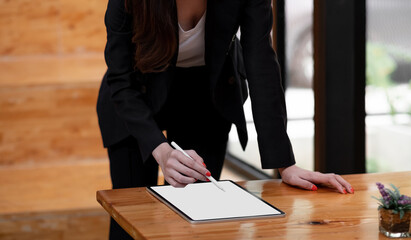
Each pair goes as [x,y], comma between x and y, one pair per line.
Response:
[382,189]
[384,193]
[404,200]
[386,197]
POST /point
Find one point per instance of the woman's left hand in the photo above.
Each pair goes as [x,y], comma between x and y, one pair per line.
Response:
[305,179]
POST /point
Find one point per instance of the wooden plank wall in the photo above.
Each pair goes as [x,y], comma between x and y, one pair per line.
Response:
[51,64]
[51,27]
[51,41]
[51,156]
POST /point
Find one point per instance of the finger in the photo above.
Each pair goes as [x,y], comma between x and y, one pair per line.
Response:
[183,169]
[174,183]
[317,178]
[329,180]
[302,183]
[196,157]
[345,184]
[179,178]
[190,163]
[333,182]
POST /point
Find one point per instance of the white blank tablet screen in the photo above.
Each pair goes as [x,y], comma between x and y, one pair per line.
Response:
[204,201]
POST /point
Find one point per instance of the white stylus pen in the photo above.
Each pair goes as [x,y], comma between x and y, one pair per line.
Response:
[209,178]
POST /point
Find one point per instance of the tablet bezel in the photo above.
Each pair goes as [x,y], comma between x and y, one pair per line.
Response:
[189,219]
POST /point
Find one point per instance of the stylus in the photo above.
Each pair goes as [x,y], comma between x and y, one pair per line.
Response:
[209,178]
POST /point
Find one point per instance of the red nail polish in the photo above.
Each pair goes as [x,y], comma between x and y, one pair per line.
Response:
[314,188]
[208,174]
[345,192]
[352,190]
[204,165]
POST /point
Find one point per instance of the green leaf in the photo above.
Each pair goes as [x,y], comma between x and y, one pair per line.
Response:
[397,191]
[401,214]
[390,192]
[380,200]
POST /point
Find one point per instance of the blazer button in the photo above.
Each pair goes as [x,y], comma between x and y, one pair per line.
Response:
[143,89]
[231,80]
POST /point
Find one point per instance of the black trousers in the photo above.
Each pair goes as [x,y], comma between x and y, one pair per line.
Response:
[191,121]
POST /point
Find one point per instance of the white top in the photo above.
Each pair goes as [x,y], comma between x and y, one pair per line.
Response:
[191,45]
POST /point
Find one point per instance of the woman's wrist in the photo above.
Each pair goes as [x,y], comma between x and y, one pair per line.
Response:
[161,150]
[280,170]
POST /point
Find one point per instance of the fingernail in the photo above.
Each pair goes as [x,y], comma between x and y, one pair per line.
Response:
[195,179]
[204,165]
[344,191]
[314,188]
[352,190]
[207,179]
[208,174]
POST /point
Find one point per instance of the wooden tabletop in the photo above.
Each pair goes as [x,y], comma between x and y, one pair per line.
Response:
[323,214]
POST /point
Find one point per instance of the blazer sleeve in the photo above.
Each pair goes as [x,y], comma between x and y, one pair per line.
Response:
[266,91]
[122,80]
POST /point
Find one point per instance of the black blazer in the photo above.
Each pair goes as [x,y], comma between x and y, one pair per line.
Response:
[128,100]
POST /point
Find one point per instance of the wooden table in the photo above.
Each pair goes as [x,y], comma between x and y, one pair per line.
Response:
[323,214]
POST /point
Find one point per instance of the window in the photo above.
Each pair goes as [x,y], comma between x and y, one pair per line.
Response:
[388,90]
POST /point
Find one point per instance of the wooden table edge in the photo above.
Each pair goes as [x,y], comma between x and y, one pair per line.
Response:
[115,215]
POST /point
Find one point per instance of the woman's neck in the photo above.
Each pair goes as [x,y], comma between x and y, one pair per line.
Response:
[190,12]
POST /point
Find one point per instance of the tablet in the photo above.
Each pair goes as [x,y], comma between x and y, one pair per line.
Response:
[204,202]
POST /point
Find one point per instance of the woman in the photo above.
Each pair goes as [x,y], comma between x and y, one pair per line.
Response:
[177,66]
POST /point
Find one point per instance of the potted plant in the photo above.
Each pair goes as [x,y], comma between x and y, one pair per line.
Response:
[394,212]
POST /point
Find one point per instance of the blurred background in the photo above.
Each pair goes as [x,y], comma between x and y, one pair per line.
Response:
[51,63]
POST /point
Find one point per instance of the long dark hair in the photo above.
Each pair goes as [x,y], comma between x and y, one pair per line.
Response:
[154,33]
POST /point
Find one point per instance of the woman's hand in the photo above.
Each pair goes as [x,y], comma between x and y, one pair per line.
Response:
[178,169]
[302,178]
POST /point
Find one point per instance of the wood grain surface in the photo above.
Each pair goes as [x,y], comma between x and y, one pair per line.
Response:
[49,124]
[52,187]
[323,214]
[51,70]
[36,27]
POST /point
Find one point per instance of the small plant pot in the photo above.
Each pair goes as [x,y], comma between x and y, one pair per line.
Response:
[392,226]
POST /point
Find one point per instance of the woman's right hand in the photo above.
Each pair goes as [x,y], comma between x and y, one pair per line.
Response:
[179,170]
